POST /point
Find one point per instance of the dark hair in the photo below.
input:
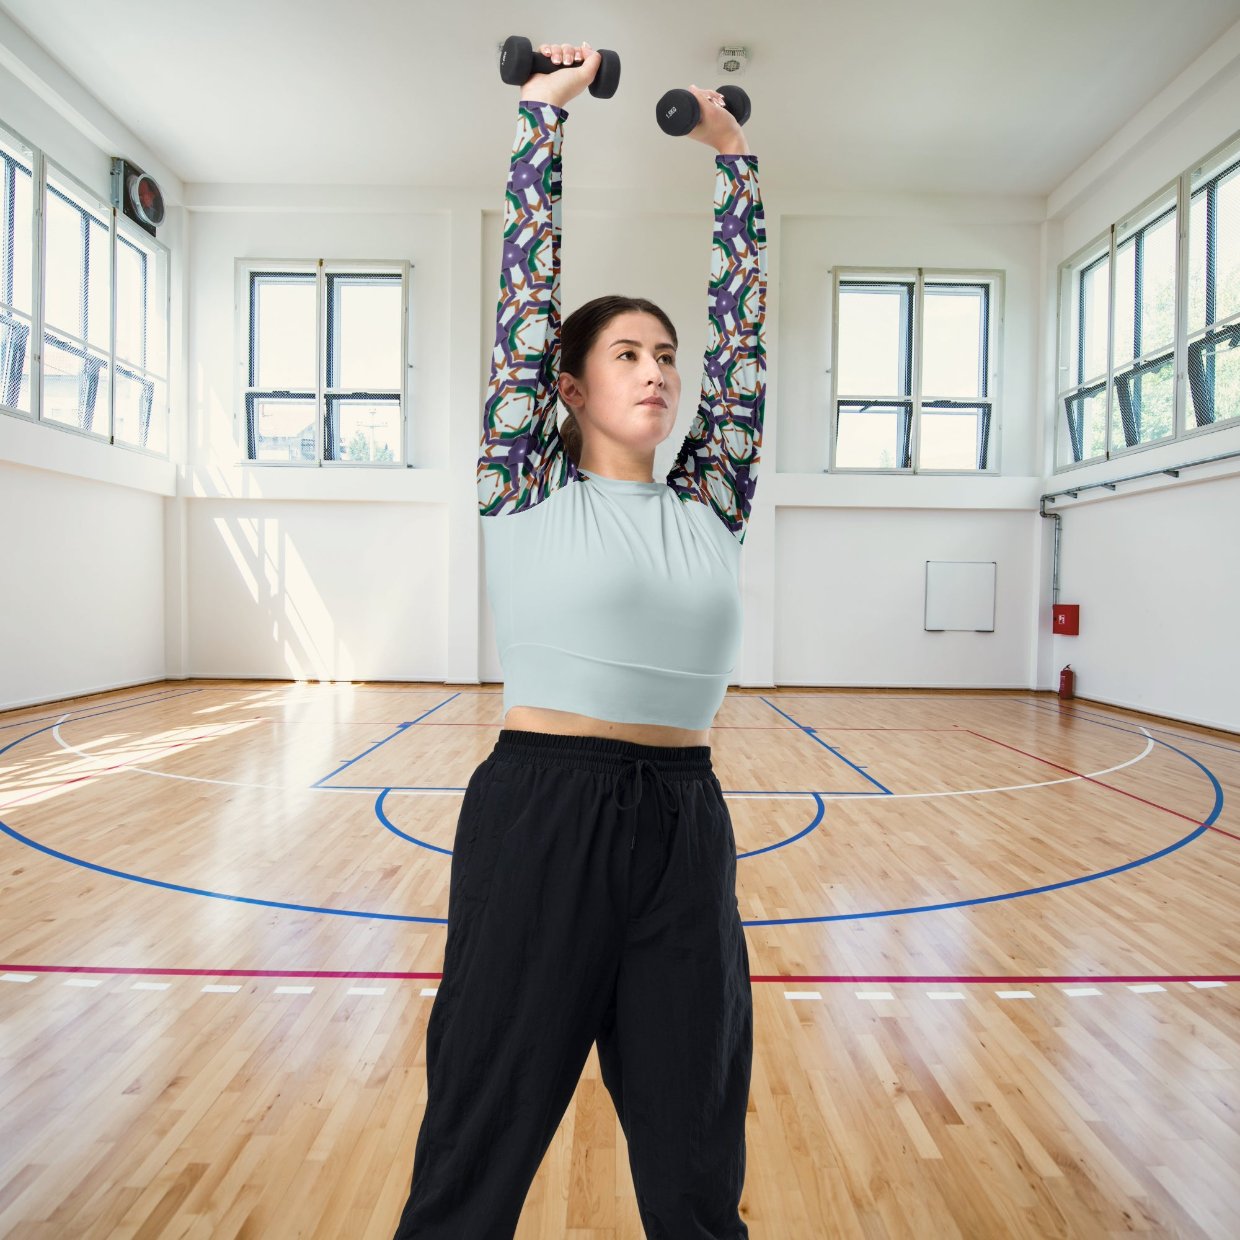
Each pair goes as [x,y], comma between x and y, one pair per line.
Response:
[577,336]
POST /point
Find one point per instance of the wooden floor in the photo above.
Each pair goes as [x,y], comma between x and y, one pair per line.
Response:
[994,942]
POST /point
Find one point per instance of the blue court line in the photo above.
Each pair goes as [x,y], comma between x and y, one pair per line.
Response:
[1031,891]
[111,711]
[413,839]
[202,891]
[395,830]
[1099,718]
[318,783]
[813,733]
[309,908]
[67,715]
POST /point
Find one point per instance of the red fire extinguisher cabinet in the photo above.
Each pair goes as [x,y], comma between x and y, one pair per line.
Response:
[1066,619]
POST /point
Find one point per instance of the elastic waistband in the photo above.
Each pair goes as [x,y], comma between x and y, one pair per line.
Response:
[600,753]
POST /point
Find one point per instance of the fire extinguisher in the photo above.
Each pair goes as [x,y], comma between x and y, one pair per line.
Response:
[1067,682]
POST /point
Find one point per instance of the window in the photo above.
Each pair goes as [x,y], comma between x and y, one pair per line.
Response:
[16,272]
[915,360]
[77,323]
[1213,332]
[1132,303]
[325,355]
[141,387]
[96,288]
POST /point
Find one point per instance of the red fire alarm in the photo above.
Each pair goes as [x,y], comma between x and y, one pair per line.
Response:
[1066,619]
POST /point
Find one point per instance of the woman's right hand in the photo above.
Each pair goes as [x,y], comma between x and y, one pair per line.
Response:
[564,84]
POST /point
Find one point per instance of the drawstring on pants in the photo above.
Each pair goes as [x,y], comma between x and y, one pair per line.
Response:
[668,795]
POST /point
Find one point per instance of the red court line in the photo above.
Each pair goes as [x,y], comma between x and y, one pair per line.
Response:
[1121,791]
[756,977]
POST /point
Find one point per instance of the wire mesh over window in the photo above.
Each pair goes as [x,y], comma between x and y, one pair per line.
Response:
[1143,403]
[141,399]
[1213,339]
[16,272]
[77,319]
[912,375]
[342,402]
[1086,290]
[1117,392]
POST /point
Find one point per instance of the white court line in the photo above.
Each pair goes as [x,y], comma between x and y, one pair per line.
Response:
[874,994]
[84,981]
[802,994]
[771,796]
[1204,985]
[944,994]
[428,991]
[21,978]
[220,990]
[1146,988]
[150,986]
[1014,994]
[294,990]
[1077,991]
[367,990]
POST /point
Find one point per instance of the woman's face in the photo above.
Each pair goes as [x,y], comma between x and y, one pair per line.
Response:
[631,362]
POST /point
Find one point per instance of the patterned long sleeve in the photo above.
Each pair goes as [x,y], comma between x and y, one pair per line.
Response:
[521,459]
[718,460]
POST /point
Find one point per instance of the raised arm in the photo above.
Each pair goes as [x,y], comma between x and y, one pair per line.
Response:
[521,459]
[718,460]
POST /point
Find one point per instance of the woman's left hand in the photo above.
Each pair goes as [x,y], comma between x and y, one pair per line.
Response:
[718,127]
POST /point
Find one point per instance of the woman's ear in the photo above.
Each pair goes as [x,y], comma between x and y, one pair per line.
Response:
[570,393]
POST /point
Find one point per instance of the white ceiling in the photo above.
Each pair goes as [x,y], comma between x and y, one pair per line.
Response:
[946,96]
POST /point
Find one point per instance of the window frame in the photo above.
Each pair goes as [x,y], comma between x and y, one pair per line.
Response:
[995,279]
[1224,153]
[122,225]
[244,270]
[41,162]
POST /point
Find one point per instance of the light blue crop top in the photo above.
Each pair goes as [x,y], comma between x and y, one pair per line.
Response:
[615,598]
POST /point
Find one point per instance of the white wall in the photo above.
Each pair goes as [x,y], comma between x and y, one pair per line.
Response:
[83,585]
[377,574]
[1153,564]
[82,569]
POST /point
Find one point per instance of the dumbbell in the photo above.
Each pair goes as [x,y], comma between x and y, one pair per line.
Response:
[519,59]
[678,111]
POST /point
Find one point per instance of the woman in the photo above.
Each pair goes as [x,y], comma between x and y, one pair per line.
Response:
[585,904]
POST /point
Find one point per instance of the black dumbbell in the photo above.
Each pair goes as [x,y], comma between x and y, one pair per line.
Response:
[519,59]
[678,111]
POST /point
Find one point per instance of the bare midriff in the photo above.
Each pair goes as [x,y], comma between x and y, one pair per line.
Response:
[565,723]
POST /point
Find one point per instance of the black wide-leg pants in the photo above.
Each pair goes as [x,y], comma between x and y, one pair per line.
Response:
[592,898]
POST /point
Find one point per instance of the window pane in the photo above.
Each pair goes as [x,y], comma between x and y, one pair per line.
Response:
[142,305]
[14,362]
[79,294]
[1082,427]
[954,350]
[1214,377]
[363,430]
[951,439]
[283,323]
[1145,261]
[1214,247]
[141,410]
[874,340]
[17,220]
[1142,409]
[364,331]
[1091,315]
[872,437]
[75,385]
[281,427]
